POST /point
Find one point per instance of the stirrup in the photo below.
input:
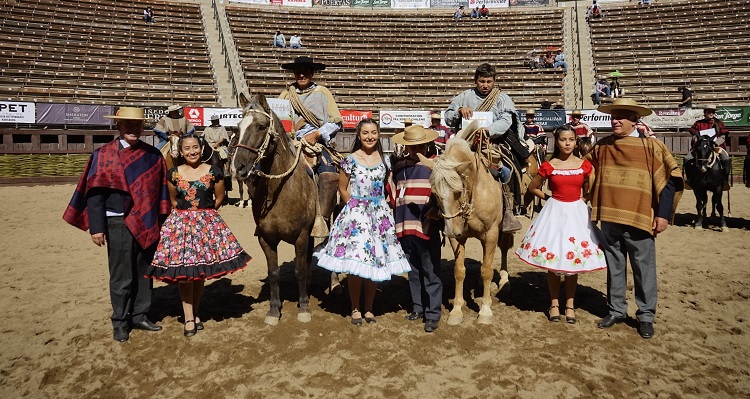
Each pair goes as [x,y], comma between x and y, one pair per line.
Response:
[320,229]
[510,224]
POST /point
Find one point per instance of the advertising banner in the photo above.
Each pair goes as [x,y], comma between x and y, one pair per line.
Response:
[673,118]
[548,119]
[527,3]
[195,116]
[593,118]
[351,118]
[410,3]
[17,112]
[448,3]
[154,113]
[230,117]
[489,3]
[296,3]
[253,1]
[395,119]
[73,114]
[276,2]
[371,3]
[734,116]
[332,3]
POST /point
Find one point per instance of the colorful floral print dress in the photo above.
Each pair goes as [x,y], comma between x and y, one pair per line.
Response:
[363,238]
[562,238]
[195,241]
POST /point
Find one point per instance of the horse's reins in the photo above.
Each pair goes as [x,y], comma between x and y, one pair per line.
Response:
[466,205]
[261,152]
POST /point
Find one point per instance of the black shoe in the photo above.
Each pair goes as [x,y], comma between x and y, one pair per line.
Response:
[431,325]
[568,319]
[120,334]
[549,312]
[357,321]
[414,316]
[199,325]
[370,319]
[646,330]
[609,321]
[146,325]
[189,333]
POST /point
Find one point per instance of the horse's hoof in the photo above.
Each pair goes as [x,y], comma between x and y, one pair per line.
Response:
[272,321]
[724,229]
[337,289]
[305,317]
[484,319]
[698,227]
[455,320]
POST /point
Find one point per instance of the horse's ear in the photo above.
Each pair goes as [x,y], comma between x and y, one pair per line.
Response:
[244,101]
[261,100]
[429,163]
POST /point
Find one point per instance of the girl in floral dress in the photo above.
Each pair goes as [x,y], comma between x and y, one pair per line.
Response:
[561,239]
[363,239]
[195,242]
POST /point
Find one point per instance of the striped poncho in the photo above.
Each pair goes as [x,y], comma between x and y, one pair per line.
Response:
[630,174]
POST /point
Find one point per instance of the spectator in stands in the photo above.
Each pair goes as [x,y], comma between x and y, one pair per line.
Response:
[546,104]
[687,97]
[560,61]
[646,3]
[534,61]
[279,40]
[601,90]
[581,129]
[713,127]
[484,12]
[444,133]
[549,60]
[485,97]
[316,119]
[560,104]
[475,13]
[615,89]
[295,41]
[594,11]
[172,124]
[459,13]
[148,15]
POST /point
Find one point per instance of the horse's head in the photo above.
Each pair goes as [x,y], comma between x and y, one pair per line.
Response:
[703,152]
[453,178]
[174,145]
[259,129]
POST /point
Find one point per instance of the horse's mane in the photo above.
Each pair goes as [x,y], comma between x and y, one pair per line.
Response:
[445,178]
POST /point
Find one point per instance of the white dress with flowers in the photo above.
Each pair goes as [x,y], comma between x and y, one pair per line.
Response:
[363,238]
[562,238]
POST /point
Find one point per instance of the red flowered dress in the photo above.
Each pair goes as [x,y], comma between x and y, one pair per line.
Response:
[562,238]
[195,241]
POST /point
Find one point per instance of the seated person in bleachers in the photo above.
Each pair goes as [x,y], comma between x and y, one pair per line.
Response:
[549,60]
[645,3]
[475,13]
[459,13]
[295,41]
[546,104]
[594,11]
[534,61]
[148,14]
[560,61]
[615,89]
[560,104]
[484,12]
[687,97]
[601,90]
[279,40]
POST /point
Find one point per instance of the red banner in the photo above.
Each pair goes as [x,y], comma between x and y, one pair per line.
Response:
[195,116]
[351,118]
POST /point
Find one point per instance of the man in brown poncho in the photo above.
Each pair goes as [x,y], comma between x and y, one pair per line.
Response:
[635,192]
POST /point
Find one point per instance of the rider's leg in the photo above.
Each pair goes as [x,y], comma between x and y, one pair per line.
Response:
[726,163]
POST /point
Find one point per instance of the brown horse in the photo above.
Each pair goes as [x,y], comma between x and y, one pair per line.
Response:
[472,204]
[283,196]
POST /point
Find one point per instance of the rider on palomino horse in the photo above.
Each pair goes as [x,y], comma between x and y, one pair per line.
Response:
[172,124]
[713,127]
[505,127]
[316,119]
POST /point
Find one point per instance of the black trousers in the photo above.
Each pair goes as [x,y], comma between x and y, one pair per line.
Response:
[129,290]
[424,283]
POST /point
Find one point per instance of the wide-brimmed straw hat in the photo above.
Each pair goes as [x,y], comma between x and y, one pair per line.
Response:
[129,113]
[435,115]
[303,62]
[175,107]
[626,104]
[709,106]
[530,112]
[415,134]
[576,112]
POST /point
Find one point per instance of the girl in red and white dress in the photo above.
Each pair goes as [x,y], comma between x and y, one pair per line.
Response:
[562,239]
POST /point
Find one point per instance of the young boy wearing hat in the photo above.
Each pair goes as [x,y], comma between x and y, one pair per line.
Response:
[417,232]
[121,200]
[444,133]
[575,124]
[173,123]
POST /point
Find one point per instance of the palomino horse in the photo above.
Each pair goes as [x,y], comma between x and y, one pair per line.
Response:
[283,196]
[704,174]
[472,204]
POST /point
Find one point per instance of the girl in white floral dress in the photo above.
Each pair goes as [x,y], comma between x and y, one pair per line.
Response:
[562,239]
[363,239]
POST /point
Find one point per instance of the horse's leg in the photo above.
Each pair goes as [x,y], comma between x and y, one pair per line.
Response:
[489,244]
[716,200]
[303,257]
[700,208]
[456,315]
[269,249]
[505,243]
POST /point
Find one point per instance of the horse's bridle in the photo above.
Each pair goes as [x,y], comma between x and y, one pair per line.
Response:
[710,161]
[261,151]
[465,205]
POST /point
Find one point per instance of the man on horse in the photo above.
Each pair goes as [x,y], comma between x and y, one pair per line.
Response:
[217,138]
[172,124]
[316,120]
[714,128]
[504,129]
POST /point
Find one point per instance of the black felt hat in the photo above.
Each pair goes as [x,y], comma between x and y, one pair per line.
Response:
[303,62]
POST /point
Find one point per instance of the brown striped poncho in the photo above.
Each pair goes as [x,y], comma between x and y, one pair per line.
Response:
[630,174]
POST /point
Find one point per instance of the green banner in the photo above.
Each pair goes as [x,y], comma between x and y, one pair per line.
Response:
[734,116]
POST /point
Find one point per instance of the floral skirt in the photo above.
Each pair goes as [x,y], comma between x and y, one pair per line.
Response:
[194,245]
[563,240]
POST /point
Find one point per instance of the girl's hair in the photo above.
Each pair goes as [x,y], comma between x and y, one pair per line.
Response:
[378,147]
[558,131]
[189,136]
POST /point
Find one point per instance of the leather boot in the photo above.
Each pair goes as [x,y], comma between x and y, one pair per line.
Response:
[328,186]
[510,223]
[726,165]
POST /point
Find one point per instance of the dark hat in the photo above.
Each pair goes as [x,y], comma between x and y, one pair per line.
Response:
[303,62]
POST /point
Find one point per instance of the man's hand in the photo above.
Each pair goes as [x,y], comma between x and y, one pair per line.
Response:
[99,239]
[465,112]
[659,225]
[311,137]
